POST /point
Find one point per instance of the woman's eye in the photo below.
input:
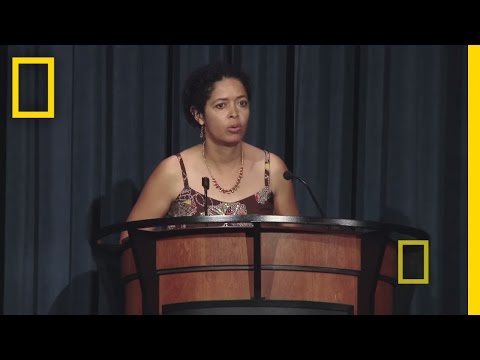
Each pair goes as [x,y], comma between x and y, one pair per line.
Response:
[244,103]
[220,106]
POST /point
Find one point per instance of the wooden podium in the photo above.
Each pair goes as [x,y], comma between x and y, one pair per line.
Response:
[259,264]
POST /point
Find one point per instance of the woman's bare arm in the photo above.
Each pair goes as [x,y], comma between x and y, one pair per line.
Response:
[283,191]
[161,188]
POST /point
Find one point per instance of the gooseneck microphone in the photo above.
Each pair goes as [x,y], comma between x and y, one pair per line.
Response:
[288,175]
[206,186]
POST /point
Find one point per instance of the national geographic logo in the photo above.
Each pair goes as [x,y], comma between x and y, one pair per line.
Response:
[50,112]
[417,243]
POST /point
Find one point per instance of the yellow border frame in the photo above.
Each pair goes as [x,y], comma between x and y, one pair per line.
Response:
[401,279]
[16,62]
[473,179]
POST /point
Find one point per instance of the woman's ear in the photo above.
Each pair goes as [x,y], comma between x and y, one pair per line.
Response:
[200,120]
[197,115]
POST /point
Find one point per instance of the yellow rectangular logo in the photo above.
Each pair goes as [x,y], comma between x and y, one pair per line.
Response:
[401,244]
[16,62]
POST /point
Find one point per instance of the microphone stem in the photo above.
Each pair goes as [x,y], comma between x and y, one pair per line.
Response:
[313,196]
[206,205]
[206,185]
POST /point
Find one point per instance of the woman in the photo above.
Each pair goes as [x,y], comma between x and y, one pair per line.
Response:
[244,179]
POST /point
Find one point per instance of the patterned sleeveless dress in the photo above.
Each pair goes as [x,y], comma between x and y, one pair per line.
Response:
[190,202]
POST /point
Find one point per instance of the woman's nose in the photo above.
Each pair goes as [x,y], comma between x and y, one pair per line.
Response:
[234,112]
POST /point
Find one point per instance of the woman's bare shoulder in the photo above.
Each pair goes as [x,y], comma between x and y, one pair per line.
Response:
[191,152]
[167,168]
[277,162]
[259,155]
[255,154]
[277,168]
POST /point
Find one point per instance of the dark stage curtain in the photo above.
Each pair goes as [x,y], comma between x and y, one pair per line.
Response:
[379,132]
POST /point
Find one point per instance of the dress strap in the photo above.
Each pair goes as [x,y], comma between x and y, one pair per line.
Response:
[184,172]
[267,168]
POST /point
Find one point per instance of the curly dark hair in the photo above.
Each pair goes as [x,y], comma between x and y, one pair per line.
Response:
[199,86]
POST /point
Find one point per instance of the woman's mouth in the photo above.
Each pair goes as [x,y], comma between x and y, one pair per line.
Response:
[234,129]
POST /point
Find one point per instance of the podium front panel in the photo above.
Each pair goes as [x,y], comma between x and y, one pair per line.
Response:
[296,266]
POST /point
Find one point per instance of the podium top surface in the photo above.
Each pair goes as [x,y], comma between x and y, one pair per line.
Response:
[264,221]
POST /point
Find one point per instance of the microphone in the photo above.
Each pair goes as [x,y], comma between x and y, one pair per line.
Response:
[287,175]
[206,186]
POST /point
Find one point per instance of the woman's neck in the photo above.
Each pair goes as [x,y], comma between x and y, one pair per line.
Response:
[221,155]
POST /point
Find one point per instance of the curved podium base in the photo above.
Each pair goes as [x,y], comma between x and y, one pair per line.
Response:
[291,265]
[258,264]
[257,307]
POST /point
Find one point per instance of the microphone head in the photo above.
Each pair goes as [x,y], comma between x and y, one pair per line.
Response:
[206,182]
[287,175]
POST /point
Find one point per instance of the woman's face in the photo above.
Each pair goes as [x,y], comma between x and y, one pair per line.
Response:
[226,112]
